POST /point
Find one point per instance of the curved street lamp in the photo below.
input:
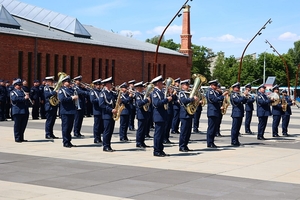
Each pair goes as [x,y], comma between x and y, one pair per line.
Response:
[283,60]
[258,33]
[161,36]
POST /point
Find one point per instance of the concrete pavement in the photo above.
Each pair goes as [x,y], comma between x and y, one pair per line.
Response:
[43,169]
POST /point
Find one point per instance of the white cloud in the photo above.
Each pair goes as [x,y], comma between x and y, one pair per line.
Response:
[171,30]
[224,38]
[129,33]
[288,36]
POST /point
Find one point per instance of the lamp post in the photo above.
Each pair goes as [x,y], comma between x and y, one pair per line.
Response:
[161,36]
[258,33]
[284,62]
[264,77]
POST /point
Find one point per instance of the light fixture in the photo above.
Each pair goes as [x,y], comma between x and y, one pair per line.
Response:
[179,15]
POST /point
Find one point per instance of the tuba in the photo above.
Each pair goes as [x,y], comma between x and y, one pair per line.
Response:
[54,101]
[149,89]
[275,98]
[198,81]
[169,82]
[119,106]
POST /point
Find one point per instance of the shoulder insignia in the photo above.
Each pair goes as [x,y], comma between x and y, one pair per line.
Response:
[92,93]
[12,94]
[46,89]
[138,98]
[211,92]
[154,95]
[181,95]
[259,96]
[101,94]
[60,91]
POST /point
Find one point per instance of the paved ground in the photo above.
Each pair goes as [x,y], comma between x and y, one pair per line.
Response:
[43,169]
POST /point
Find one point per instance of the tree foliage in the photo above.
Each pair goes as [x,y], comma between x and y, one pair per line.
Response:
[226,70]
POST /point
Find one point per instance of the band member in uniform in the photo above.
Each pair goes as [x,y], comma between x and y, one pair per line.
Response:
[159,115]
[42,100]
[219,122]
[150,124]
[213,111]
[3,95]
[20,111]
[196,118]
[263,111]
[277,112]
[35,97]
[9,88]
[171,92]
[68,101]
[249,110]
[176,109]
[141,114]
[82,93]
[95,100]
[107,104]
[185,118]
[237,101]
[51,110]
[126,100]
[287,114]
[132,106]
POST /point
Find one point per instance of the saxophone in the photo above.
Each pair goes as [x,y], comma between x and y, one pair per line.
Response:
[283,103]
[149,89]
[119,106]
[198,81]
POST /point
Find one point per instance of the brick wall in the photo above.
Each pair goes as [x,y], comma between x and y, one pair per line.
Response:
[19,55]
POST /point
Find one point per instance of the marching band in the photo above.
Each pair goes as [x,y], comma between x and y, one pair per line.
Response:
[169,104]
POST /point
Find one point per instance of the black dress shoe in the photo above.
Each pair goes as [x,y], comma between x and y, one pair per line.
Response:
[49,137]
[78,135]
[67,145]
[97,141]
[183,150]
[236,144]
[285,134]
[54,137]
[173,132]
[218,135]
[108,149]
[72,145]
[261,138]
[142,146]
[24,140]
[212,145]
[18,141]
[196,131]
[158,154]
[168,142]
[124,140]
[148,136]
[163,153]
[276,135]
[249,132]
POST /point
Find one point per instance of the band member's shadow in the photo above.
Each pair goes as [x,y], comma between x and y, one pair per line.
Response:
[220,148]
[199,140]
[286,139]
[132,149]
[252,144]
[51,140]
[89,145]
[190,153]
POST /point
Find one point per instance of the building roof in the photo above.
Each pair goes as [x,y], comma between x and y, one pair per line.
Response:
[6,19]
[32,27]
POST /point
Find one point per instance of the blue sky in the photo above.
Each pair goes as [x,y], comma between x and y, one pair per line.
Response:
[220,25]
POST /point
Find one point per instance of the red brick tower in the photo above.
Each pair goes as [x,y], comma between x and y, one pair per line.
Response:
[186,37]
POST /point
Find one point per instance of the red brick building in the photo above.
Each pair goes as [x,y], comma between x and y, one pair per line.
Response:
[36,42]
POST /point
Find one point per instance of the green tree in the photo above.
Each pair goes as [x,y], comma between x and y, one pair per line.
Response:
[170,44]
[202,61]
